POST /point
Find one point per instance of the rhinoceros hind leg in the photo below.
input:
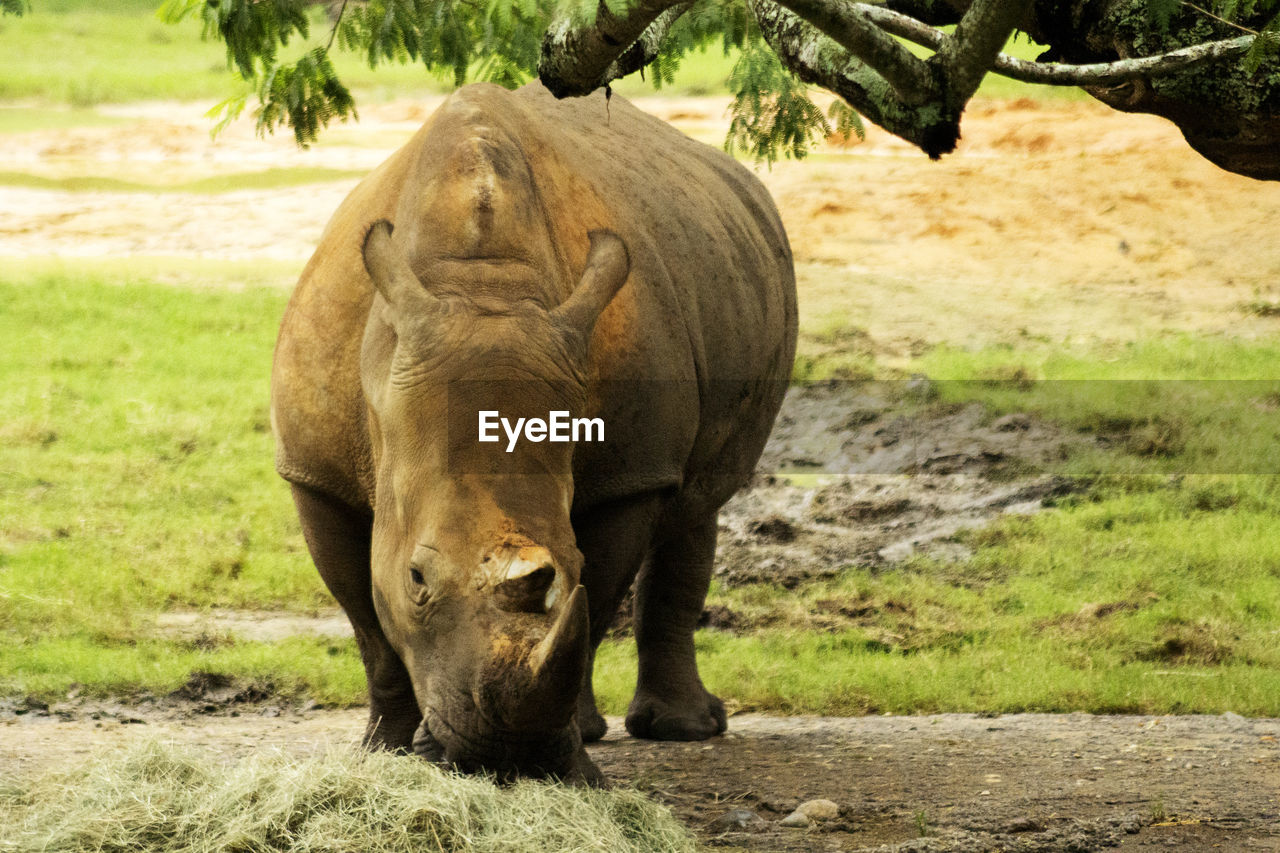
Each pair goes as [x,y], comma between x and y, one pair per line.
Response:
[614,540]
[670,701]
[338,538]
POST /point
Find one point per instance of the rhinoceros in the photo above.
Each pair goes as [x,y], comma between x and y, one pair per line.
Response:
[584,257]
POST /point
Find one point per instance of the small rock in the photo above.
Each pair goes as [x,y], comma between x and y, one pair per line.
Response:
[738,820]
[921,388]
[773,528]
[1015,422]
[819,809]
[796,818]
[1024,824]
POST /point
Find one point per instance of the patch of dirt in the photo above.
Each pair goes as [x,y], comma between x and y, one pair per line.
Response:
[216,626]
[955,782]
[1060,221]
[877,479]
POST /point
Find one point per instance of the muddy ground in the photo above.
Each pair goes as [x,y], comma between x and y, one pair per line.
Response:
[952,782]
[1056,222]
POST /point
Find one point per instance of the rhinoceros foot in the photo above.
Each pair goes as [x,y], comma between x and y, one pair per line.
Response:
[697,716]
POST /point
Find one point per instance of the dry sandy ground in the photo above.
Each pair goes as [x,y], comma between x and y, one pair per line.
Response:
[1057,222]
[1060,221]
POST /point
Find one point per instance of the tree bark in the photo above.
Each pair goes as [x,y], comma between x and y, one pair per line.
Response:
[848,25]
[1058,74]
[578,57]
[819,60]
[969,53]
[1228,115]
[1187,72]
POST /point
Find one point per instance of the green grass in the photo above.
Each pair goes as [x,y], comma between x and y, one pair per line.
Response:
[84,54]
[136,477]
[264,179]
[1138,597]
[199,273]
[1172,404]
[156,797]
[136,474]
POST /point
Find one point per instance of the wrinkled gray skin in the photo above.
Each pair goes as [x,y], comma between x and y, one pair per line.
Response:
[589,258]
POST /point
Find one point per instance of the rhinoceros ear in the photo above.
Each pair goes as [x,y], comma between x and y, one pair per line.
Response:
[608,264]
[388,268]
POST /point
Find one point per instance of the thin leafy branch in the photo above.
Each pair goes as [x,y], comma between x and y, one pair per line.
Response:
[1062,74]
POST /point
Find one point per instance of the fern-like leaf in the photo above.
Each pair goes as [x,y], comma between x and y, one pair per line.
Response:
[1266,47]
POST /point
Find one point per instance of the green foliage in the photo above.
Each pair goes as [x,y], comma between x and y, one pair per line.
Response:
[304,95]
[1160,12]
[1266,48]
[1260,16]
[846,118]
[252,31]
[497,40]
[771,114]
[14,7]
[704,25]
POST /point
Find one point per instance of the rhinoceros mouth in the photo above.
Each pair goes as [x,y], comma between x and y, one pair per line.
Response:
[507,754]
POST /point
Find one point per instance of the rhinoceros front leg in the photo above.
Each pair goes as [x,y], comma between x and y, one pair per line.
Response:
[614,540]
[670,701]
[338,538]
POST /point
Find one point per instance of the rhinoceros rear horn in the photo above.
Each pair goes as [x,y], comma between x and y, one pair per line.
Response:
[388,268]
[608,264]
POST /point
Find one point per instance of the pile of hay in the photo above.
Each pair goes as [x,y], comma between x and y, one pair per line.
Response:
[155,797]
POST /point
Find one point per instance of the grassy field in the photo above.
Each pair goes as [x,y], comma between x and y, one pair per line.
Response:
[136,478]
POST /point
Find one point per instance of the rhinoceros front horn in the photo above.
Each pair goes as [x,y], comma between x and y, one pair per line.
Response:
[541,693]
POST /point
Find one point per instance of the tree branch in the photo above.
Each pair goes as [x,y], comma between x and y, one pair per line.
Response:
[1055,74]
[967,55]
[845,22]
[817,59]
[645,49]
[936,13]
[577,57]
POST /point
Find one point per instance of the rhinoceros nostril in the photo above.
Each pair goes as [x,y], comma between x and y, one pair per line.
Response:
[525,589]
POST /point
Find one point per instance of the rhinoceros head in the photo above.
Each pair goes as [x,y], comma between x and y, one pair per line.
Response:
[474,566]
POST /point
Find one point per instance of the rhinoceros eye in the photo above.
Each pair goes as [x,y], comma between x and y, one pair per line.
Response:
[422,565]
